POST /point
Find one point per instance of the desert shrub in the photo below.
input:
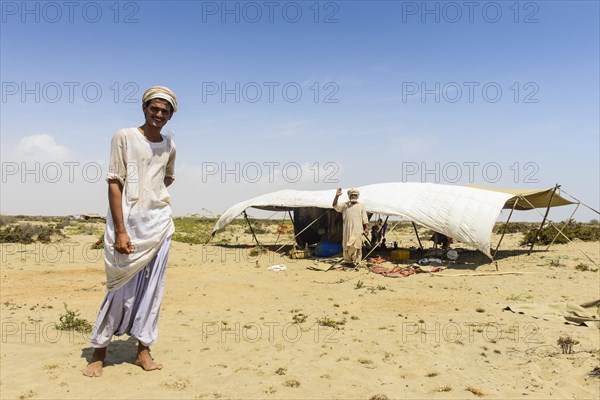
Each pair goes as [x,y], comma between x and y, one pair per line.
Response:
[7,220]
[585,232]
[259,227]
[89,227]
[299,318]
[291,382]
[44,235]
[545,236]
[379,397]
[573,230]
[14,234]
[566,344]
[63,223]
[512,227]
[28,233]
[70,321]
[584,267]
[257,250]
[193,230]
[99,244]
[330,322]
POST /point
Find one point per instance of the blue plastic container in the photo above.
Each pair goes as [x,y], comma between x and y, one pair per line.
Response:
[328,249]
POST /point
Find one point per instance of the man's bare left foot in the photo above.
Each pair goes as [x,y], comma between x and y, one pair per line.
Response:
[145,360]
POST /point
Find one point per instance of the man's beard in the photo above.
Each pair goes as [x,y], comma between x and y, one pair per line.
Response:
[353,201]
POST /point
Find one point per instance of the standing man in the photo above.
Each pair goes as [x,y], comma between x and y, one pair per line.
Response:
[356,221]
[138,232]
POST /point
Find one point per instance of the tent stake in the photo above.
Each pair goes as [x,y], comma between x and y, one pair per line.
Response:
[504,230]
[417,233]
[543,220]
[251,230]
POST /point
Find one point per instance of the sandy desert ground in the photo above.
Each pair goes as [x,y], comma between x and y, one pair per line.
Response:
[230,328]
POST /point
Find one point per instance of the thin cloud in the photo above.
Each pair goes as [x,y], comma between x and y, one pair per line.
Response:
[41,148]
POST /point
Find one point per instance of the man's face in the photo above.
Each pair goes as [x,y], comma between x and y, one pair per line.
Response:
[353,198]
[157,113]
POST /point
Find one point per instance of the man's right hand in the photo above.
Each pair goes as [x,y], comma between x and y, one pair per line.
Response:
[338,192]
[123,243]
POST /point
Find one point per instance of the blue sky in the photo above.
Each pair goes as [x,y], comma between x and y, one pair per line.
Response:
[359,118]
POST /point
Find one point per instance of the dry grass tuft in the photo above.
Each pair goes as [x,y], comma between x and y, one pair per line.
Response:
[445,388]
[379,397]
[291,382]
[476,391]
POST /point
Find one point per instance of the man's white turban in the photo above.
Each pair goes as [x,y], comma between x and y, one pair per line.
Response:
[160,92]
[353,191]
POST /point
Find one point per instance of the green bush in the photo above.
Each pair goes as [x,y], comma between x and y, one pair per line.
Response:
[256,251]
[7,220]
[70,321]
[330,322]
[573,230]
[259,227]
[63,223]
[512,227]
[99,244]
[193,230]
[80,227]
[584,267]
[28,233]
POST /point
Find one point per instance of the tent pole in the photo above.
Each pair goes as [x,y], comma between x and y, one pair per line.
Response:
[579,201]
[385,222]
[543,220]
[279,234]
[381,232]
[251,229]
[375,245]
[291,218]
[564,226]
[308,226]
[565,236]
[381,238]
[417,234]
[369,253]
[504,230]
[550,222]
[367,238]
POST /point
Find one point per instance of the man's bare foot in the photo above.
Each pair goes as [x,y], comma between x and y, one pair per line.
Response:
[145,360]
[94,368]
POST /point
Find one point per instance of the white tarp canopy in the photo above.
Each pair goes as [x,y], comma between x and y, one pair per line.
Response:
[464,213]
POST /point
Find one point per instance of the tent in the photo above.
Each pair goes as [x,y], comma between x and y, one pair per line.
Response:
[530,199]
[467,214]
